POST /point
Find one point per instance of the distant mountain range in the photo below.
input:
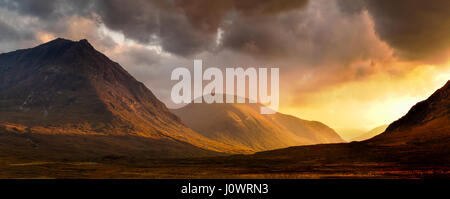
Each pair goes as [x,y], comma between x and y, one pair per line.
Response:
[242,125]
[65,99]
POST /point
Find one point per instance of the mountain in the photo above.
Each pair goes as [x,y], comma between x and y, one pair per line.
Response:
[242,125]
[372,133]
[65,87]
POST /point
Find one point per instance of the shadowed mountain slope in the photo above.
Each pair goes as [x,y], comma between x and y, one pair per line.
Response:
[427,121]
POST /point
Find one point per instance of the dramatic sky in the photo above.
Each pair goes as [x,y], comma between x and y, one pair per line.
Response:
[347,63]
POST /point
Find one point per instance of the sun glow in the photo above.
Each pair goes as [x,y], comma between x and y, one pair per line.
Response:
[380,99]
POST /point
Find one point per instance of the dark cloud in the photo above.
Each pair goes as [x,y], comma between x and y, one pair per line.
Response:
[417,29]
[48,9]
[137,19]
[154,22]
[351,6]
[209,15]
[53,16]
[262,37]
[43,8]
[10,33]
[183,27]
[318,35]
[203,14]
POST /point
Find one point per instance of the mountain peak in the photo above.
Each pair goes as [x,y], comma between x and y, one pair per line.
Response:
[60,42]
[64,40]
[48,80]
[85,42]
[57,41]
[65,56]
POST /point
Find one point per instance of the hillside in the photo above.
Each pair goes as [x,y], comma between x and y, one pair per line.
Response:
[242,125]
[426,122]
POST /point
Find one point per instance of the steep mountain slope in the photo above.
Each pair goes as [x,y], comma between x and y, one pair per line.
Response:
[243,125]
[372,133]
[426,122]
[68,86]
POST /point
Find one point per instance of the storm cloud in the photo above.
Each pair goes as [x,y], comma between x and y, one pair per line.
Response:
[416,29]
[181,27]
[184,27]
